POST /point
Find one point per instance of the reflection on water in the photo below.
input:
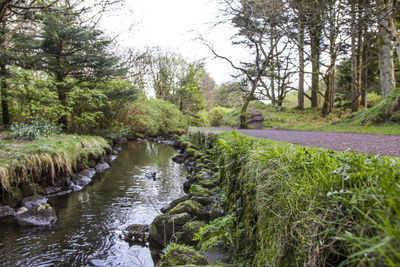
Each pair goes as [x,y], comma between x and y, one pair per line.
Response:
[90,221]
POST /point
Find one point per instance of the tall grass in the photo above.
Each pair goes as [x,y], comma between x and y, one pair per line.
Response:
[300,206]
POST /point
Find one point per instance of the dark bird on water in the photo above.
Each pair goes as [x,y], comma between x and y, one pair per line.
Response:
[151,175]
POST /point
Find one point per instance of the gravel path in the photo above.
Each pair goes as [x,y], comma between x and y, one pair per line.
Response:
[362,143]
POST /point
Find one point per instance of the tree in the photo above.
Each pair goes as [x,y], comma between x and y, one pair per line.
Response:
[67,49]
[386,32]
[254,20]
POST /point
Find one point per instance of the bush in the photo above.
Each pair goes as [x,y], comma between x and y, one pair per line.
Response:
[216,115]
[153,117]
[35,130]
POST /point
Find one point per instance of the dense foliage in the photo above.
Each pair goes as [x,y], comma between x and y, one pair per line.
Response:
[305,205]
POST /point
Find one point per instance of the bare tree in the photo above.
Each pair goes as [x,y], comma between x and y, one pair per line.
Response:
[253,19]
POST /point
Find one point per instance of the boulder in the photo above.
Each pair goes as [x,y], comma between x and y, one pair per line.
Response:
[181,255]
[165,226]
[13,197]
[189,206]
[179,158]
[51,190]
[110,158]
[85,177]
[174,203]
[33,201]
[42,215]
[101,167]
[29,189]
[6,212]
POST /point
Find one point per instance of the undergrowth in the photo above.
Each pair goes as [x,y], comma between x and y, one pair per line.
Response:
[299,206]
[35,130]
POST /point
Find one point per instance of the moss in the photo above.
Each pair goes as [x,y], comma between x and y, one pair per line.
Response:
[175,255]
[189,206]
[199,191]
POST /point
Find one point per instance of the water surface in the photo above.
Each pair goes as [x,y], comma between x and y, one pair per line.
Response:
[90,221]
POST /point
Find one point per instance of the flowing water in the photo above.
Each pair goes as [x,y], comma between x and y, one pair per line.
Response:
[90,222]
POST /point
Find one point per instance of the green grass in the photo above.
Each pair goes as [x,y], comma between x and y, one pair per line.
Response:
[307,206]
[45,158]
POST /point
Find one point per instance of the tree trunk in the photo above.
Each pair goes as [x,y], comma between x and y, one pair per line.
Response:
[315,54]
[355,102]
[4,96]
[243,112]
[62,97]
[386,64]
[300,39]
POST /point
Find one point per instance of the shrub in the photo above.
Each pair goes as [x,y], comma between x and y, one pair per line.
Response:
[153,117]
[216,115]
[35,130]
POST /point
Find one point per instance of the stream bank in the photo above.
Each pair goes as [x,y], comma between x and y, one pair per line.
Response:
[91,221]
[288,205]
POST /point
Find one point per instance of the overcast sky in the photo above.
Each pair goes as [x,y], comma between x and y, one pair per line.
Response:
[175,24]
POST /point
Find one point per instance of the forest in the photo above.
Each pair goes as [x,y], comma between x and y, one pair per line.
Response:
[330,58]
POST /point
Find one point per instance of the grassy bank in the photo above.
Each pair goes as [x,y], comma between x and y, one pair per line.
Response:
[41,160]
[305,206]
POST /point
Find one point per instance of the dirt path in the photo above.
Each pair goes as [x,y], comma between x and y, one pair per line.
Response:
[362,143]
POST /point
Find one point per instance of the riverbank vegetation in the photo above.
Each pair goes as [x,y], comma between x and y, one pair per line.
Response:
[287,204]
[40,161]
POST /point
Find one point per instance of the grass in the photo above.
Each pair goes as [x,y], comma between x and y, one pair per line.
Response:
[307,206]
[382,118]
[45,158]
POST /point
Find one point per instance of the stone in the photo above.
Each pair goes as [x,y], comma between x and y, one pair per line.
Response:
[122,140]
[110,158]
[33,201]
[51,190]
[179,159]
[101,167]
[75,187]
[85,177]
[189,206]
[87,173]
[164,226]
[13,197]
[174,203]
[42,215]
[169,142]
[29,189]
[6,212]
[181,255]
[136,232]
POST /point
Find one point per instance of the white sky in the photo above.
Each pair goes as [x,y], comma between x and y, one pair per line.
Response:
[173,24]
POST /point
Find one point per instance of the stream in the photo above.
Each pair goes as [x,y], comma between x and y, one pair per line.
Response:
[90,222]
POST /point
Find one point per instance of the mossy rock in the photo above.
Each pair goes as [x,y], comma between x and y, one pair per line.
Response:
[30,189]
[182,255]
[189,206]
[13,197]
[163,227]
[199,191]
[209,183]
[189,230]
